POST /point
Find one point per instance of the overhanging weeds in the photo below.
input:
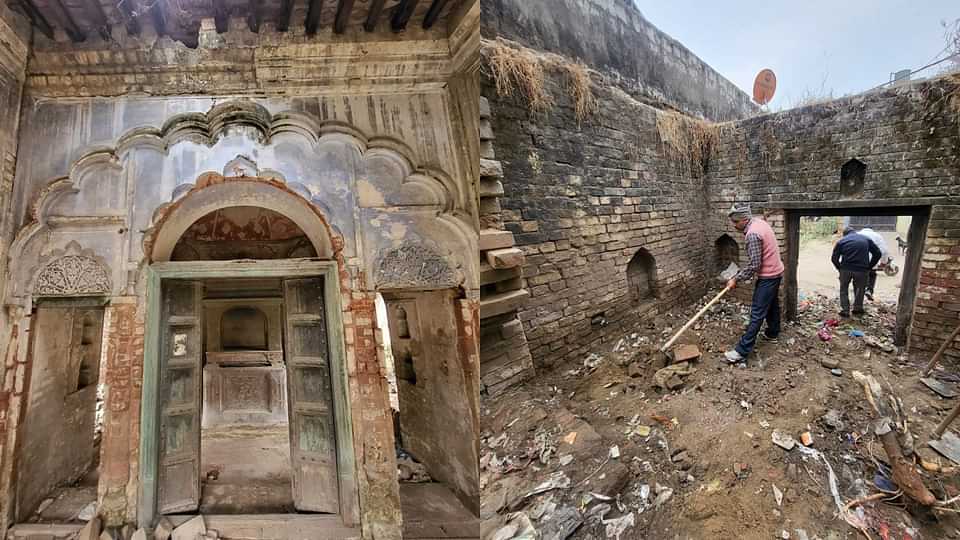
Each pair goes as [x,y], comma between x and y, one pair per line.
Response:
[690,141]
[518,72]
[521,72]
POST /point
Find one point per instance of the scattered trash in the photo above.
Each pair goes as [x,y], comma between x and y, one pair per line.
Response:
[87,513]
[570,438]
[557,480]
[517,527]
[856,333]
[617,526]
[883,483]
[833,419]
[741,470]
[943,389]
[783,440]
[663,494]
[561,523]
[614,452]
[949,445]
[592,361]
[566,459]
[824,334]
[836,372]
[643,431]
[806,438]
[777,495]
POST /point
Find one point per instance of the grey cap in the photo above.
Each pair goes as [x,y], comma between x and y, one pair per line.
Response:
[739,211]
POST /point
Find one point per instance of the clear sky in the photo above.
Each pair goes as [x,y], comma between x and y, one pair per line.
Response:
[814,46]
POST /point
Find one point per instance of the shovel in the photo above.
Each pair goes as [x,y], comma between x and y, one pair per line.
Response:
[726,275]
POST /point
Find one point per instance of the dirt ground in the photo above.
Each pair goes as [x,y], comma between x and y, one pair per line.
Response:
[592,449]
[816,275]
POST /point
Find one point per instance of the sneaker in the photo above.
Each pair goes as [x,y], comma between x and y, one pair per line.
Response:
[869,295]
[859,312]
[845,314]
[768,339]
[733,357]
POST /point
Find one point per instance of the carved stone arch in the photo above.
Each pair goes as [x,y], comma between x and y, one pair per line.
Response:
[71,272]
[213,193]
[414,265]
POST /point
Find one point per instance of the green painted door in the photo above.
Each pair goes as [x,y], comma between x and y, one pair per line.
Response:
[313,450]
[180,365]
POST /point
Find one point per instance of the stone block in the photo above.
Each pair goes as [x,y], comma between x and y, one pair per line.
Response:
[498,304]
[490,168]
[490,187]
[494,239]
[190,530]
[141,534]
[505,258]
[484,107]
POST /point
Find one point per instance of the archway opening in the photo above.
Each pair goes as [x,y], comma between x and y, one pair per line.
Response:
[727,251]
[642,277]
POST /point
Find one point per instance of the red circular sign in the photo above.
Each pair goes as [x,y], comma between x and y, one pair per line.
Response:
[764,86]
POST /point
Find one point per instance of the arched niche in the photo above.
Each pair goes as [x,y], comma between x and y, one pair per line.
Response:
[642,276]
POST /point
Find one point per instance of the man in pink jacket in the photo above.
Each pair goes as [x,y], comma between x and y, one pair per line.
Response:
[763,261]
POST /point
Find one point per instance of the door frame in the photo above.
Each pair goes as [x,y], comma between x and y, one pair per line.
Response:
[150,410]
[919,211]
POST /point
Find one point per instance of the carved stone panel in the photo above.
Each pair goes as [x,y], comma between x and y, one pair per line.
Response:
[73,275]
[414,266]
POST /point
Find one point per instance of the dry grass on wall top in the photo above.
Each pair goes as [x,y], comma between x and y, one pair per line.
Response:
[518,71]
[690,141]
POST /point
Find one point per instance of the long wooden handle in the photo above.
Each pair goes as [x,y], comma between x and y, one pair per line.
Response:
[940,351]
[946,422]
[694,319]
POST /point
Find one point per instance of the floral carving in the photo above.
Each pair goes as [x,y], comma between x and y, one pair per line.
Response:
[72,275]
[413,265]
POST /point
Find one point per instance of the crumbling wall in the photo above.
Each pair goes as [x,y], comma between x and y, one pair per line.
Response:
[581,195]
[612,36]
[909,139]
[434,416]
[57,448]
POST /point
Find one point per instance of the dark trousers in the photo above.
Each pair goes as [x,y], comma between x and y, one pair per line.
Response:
[871,281]
[766,306]
[859,280]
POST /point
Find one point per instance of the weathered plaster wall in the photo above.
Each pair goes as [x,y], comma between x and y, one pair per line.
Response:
[425,343]
[58,443]
[612,36]
[382,169]
[909,139]
[581,199]
[14,48]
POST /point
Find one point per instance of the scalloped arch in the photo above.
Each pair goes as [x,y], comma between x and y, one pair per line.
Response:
[207,128]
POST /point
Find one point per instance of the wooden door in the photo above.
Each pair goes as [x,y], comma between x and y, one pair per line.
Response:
[313,449]
[180,400]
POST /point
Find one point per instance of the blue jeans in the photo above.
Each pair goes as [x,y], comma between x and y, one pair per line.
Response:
[766,306]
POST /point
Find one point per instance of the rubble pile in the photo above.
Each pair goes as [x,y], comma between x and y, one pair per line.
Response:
[619,445]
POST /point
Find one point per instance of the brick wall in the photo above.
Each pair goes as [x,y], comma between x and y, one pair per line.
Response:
[581,199]
[909,139]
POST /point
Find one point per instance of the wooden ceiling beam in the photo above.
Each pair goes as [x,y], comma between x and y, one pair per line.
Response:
[313,16]
[221,15]
[376,7]
[95,12]
[69,25]
[402,15]
[253,20]
[433,13]
[159,18]
[127,13]
[344,8]
[37,18]
[286,12]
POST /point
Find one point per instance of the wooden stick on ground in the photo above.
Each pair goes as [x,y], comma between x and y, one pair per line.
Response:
[937,433]
[940,351]
[904,473]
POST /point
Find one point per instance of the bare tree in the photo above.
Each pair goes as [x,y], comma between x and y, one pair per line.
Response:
[951,36]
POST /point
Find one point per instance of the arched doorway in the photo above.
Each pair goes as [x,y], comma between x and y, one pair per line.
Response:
[249,414]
